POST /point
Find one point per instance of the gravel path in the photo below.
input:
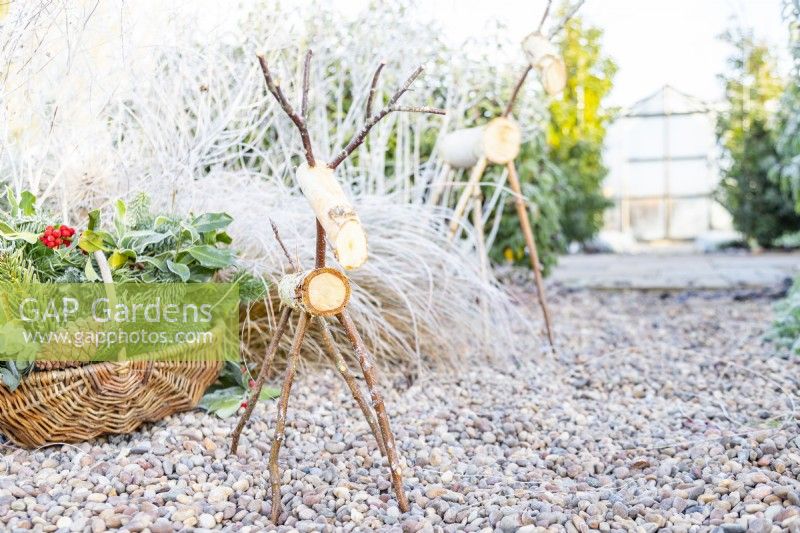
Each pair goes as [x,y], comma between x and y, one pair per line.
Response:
[660,412]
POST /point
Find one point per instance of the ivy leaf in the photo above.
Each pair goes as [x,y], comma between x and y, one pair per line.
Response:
[27,202]
[212,222]
[179,269]
[211,257]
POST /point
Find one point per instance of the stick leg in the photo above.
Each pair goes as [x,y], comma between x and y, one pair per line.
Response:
[368,367]
[280,425]
[269,355]
[355,390]
[463,200]
[525,224]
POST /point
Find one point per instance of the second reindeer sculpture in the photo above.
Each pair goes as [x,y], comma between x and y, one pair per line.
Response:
[498,142]
[323,292]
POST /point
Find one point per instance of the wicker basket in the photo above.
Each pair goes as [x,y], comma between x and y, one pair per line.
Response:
[77,404]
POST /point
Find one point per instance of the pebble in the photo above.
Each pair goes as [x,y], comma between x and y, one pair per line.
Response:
[625,430]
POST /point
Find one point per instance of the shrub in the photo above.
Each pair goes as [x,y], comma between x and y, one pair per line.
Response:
[577,130]
[746,136]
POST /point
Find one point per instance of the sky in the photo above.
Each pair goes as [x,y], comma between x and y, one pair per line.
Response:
[654,42]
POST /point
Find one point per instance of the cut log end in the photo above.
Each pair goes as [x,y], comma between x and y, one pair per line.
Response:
[554,76]
[318,292]
[351,245]
[501,140]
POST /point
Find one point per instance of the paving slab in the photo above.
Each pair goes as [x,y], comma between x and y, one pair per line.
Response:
[677,271]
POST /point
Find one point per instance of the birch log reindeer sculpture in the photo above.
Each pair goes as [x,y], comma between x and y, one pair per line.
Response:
[498,142]
[323,291]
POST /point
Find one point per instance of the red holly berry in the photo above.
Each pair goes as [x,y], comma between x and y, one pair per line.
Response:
[244,404]
[252,383]
[53,237]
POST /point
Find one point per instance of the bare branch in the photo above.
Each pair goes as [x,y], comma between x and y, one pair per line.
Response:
[390,107]
[266,365]
[396,96]
[280,424]
[292,262]
[319,255]
[275,89]
[544,16]
[306,74]
[569,15]
[515,92]
[420,109]
[373,88]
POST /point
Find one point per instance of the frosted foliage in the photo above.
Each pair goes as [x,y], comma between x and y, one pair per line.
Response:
[106,99]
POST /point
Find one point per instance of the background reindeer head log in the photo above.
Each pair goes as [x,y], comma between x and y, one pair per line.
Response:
[335,214]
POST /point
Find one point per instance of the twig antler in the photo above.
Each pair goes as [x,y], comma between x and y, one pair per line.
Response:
[373,88]
[571,13]
[544,15]
[390,107]
[299,121]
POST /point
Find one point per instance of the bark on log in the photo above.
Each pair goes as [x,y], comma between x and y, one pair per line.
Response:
[335,213]
[498,141]
[318,292]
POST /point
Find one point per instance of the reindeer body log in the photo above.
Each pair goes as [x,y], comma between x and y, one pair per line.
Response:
[318,292]
[546,59]
[335,213]
[498,141]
